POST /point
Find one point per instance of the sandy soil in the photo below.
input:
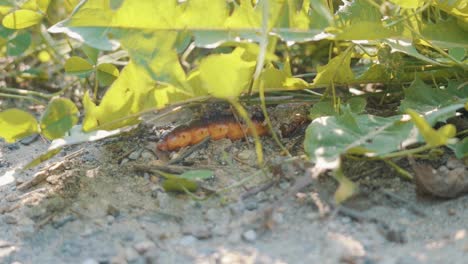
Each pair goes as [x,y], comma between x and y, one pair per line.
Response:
[96,205]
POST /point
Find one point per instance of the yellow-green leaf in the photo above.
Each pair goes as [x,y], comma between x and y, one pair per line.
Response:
[346,187]
[107,73]
[43,157]
[179,185]
[337,71]
[21,19]
[78,66]
[408,3]
[226,75]
[61,114]
[432,137]
[16,124]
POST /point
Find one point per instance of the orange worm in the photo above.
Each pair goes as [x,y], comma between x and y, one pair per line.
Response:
[216,129]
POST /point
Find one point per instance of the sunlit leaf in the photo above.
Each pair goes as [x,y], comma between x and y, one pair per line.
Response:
[408,3]
[16,124]
[431,136]
[60,116]
[21,19]
[41,158]
[226,75]
[179,185]
[346,187]
[337,71]
[107,73]
[78,66]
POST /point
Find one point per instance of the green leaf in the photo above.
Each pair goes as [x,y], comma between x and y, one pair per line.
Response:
[226,75]
[19,44]
[346,187]
[91,53]
[460,148]
[426,99]
[323,108]
[132,92]
[107,73]
[21,19]
[78,66]
[43,157]
[360,20]
[60,116]
[16,124]
[337,71]
[197,175]
[327,138]
[433,137]
[179,185]
[408,3]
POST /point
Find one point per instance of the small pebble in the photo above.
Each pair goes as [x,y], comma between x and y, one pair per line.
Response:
[284,185]
[443,170]
[236,209]
[251,205]
[90,261]
[454,163]
[245,154]
[110,219]
[124,160]
[135,154]
[187,240]
[28,140]
[9,219]
[457,173]
[146,155]
[143,246]
[278,217]
[112,210]
[131,254]
[249,235]
[61,221]
[212,214]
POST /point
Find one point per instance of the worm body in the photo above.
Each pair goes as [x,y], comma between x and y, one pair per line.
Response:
[226,127]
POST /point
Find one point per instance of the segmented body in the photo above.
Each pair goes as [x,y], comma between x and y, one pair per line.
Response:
[225,127]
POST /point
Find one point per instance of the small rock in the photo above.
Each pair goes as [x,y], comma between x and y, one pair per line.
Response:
[124,160]
[9,219]
[112,210]
[454,163]
[251,205]
[135,154]
[28,140]
[61,221]
[212,214]
[457,173]
[131,254]
[284,185]
[90,261]
[278,217]
[345,220]
[236,209]
[143,246]
[200,232]
[443,170]
[110,219]
[25,231]
[249,235]
[245,154]
[220,229]
[146,155]
[187,240]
